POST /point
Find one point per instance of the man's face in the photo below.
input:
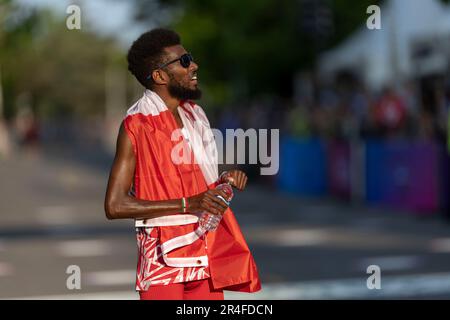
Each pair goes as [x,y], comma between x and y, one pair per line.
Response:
[183,82]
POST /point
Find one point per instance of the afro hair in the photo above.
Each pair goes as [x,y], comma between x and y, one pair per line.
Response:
[146,53]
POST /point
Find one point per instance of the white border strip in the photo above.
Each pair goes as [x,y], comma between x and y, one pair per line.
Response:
[172,220]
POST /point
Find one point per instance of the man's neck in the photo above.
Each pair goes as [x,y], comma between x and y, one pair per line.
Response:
[171,102]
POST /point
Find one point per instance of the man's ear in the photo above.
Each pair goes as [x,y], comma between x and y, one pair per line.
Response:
[159,77]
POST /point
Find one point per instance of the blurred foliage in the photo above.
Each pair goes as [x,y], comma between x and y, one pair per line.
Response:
[60,71]
[245,49]
[255,47]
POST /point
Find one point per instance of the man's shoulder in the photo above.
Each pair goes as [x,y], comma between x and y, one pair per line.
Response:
[143,107]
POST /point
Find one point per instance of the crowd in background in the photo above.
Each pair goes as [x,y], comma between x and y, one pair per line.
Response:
[349,110]
[344,111]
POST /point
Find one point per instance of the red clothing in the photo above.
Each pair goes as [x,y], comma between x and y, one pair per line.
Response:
[174,251]
[391,112]
[152,270]
[193,290]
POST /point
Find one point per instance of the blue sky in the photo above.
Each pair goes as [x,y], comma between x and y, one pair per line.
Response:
[112,17]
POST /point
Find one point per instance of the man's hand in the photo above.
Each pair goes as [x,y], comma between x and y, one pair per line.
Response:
[236,178]
[208,201]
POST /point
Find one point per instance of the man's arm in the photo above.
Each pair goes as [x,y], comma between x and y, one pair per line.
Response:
[120,205]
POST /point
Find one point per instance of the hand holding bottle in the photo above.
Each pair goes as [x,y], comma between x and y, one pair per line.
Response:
[209,222]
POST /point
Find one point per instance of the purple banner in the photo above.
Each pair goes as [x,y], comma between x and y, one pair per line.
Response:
[404,175]
[339,169]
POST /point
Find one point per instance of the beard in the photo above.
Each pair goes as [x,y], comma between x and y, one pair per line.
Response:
[178,91]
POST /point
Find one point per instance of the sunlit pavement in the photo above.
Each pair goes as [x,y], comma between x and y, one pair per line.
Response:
[52,217]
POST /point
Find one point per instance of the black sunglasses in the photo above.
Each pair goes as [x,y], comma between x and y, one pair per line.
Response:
[185,61]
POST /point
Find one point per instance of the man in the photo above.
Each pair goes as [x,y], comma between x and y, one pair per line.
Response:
[151,182]
[391,113]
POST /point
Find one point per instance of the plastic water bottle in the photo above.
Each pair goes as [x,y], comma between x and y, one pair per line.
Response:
[210,222]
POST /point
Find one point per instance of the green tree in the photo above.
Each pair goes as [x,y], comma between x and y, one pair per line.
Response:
[61,70]
[253,47]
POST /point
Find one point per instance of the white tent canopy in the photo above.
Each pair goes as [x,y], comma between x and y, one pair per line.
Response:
[385,56]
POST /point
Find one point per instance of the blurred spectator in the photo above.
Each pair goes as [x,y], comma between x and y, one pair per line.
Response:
[369,126]
[297,122]
[347,111]
[5,145]
[359,103]
[448,128]
[27,128]
[426,126]
[443,103]
[391,113]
